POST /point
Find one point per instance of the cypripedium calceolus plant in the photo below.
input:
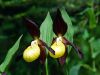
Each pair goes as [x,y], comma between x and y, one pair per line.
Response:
[37,49]
[60,43]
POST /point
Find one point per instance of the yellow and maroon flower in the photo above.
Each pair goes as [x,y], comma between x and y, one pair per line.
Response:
[60,43]
[37,49]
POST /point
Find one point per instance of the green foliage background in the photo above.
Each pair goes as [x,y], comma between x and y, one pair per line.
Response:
[85,17]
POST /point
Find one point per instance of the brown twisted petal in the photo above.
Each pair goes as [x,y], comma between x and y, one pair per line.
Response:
[77,49]
[59,26]
[45,45]
[42,57]
[32,28]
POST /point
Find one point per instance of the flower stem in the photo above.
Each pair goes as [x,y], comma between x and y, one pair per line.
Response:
[46,66]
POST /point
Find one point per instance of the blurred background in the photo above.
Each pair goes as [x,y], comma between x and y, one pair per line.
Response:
[85,16]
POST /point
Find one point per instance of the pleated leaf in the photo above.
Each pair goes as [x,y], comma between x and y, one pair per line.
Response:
[46,30]
[47,35]
[10,55]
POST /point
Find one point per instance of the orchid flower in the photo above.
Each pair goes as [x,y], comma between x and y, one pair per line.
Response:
[37,49]
[60,43]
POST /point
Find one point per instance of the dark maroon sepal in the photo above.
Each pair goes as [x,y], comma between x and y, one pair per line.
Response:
[77,49]
[42,57]
[59,26]
[44,44]
[32,28]
[62,59]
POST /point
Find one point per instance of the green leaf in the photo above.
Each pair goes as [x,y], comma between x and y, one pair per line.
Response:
[92,19]
[10,55]
[85,34]
[47,34]
[74,70]
[46,30]
[70,32]
[95,46]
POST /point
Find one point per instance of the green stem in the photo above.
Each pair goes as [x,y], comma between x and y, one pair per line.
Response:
[93,60]
[87,67]
[94,68]
[46,66]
